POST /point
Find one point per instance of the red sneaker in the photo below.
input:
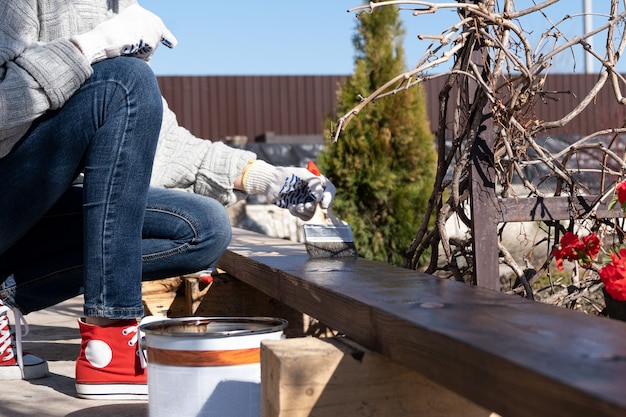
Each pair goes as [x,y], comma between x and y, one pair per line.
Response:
[110,364]
[14,364]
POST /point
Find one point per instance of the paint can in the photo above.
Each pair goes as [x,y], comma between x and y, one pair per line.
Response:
[207,366]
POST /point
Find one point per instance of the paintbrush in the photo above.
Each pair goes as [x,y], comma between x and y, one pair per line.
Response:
[326,236]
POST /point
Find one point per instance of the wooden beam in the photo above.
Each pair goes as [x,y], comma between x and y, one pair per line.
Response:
[525,209]
[310,377]
[231,297]
[505,353]
[484,205]
[158,295]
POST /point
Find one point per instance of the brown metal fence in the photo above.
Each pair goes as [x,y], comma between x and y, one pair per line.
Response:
[563,92]
[217,107]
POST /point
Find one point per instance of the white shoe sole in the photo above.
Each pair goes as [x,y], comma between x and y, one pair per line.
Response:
[31,371]
[112,391]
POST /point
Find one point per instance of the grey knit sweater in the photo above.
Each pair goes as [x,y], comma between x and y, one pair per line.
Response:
[40,70]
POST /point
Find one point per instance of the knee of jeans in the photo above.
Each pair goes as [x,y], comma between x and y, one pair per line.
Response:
[196,229]
[135,74]
[216,233]
[209,226]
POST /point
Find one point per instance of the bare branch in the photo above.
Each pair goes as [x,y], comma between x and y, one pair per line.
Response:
[512,84]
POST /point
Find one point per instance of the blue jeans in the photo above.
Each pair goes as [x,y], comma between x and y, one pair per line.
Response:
[102,238]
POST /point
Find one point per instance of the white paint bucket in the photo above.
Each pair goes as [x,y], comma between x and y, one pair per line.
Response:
[207,366]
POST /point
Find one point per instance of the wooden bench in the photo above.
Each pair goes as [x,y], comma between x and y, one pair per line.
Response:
[500,352]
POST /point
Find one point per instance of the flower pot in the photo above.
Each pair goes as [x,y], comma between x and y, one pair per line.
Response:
[615,309]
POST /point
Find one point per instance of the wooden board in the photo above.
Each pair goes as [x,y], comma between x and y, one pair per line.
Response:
[505,353]
[526,209]
[159,295]
[310,377]
[231,297]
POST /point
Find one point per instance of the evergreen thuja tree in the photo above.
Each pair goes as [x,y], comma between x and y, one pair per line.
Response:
[383,164]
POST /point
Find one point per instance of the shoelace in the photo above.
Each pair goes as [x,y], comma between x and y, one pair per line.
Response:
[5,335]
[136,335]
[138,338]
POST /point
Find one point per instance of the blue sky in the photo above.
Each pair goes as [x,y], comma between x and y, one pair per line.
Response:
[301,37]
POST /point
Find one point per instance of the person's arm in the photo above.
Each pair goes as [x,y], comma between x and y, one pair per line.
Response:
[34,76]
[228,174]
[38,75]
[200,166]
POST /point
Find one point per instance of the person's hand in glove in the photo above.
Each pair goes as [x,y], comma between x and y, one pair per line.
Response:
[134,32]
[295,189]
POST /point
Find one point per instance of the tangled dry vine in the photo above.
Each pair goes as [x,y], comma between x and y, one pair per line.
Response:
[495,70]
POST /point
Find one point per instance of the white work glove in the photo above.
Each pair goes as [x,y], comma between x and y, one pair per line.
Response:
[296,189]
[134,32]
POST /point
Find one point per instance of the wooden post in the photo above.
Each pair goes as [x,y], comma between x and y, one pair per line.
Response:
[310,377]
[484,202]
[484,205]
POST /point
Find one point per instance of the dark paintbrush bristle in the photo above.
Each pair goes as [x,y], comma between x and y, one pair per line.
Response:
[331,249]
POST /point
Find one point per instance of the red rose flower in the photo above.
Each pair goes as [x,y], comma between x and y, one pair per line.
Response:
[591,248]
[571,248]
[613,275]
[621,192]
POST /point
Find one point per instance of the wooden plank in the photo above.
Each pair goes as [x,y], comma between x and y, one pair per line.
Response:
[484,205]
[526,209]
[310,377]
[231,297]
[195,291]
[503,352]
[158,295]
